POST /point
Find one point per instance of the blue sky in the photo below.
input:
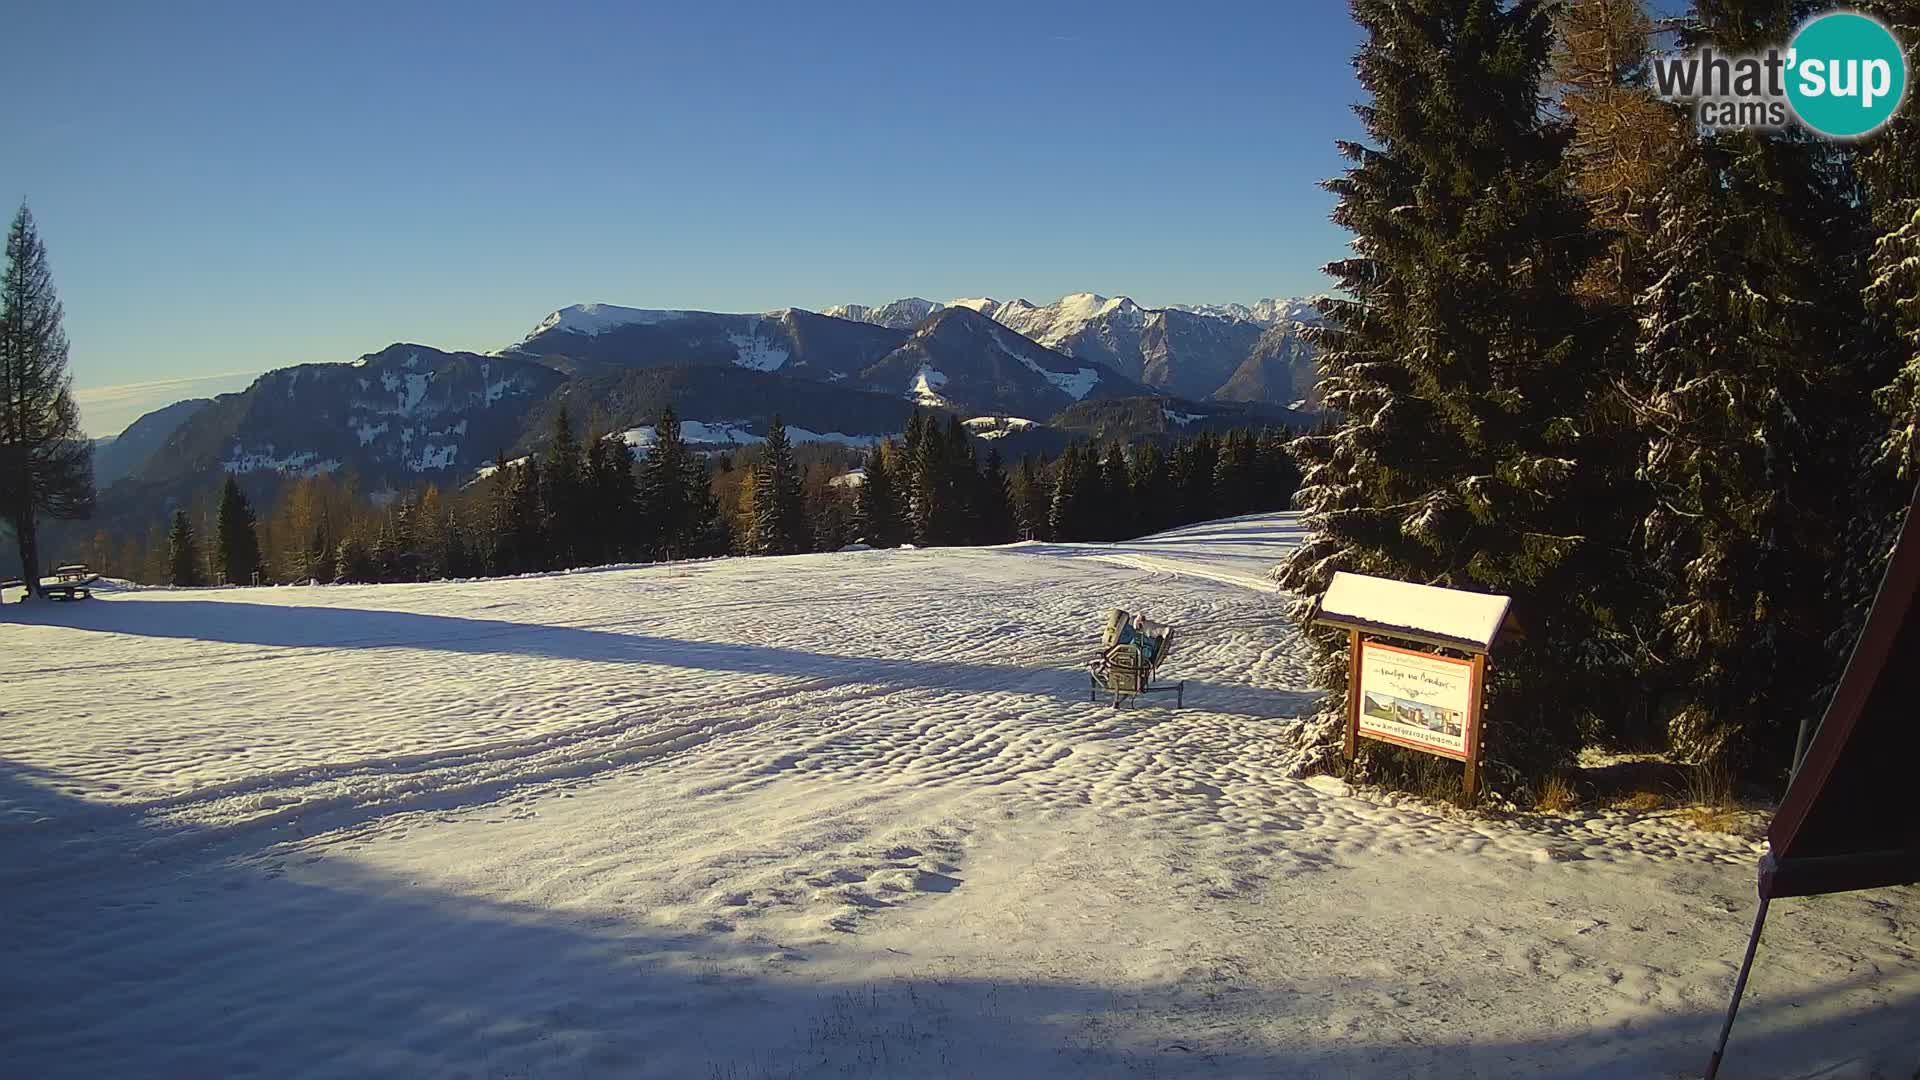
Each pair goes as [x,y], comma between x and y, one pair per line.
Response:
[228,189]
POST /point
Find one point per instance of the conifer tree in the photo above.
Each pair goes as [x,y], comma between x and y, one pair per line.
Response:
[1235,474]
[1750,401]
[678,512]
[1192,474]
[1622,138]
[962,481]
[879,502]
[1277,476]
[353,564]
[183,554]
[779,525]
[934,517]
[1063,509]
[1075,513]
[236,543]
[666,504]
[1117,520]
[434,533]
[830,513]
[993,506]
[916,460]
[1152,489]
[563,494]
[705,527]
[523,535]
[46,460]
[1032,500]
[389,549]
[1889,166]
[1457,362]
[612,499]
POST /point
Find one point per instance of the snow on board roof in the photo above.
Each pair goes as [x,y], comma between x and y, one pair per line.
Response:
[1444,616]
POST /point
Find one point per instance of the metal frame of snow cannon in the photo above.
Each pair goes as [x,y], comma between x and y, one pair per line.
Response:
[71,582]
[1124,672]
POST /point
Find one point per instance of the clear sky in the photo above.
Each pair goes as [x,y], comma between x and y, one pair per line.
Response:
[229,189]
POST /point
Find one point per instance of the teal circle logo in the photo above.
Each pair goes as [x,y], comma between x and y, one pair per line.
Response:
[1847,74]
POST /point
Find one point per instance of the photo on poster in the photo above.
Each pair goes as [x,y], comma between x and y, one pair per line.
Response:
[1415,699]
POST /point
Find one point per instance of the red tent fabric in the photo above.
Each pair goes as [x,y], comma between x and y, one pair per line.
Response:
[1847,820]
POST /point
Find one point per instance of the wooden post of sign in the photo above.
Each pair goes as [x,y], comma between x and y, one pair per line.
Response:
[1473,730]
[1353,694]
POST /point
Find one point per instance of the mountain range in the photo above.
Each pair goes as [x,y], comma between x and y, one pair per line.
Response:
[1192,351]
[1083,365]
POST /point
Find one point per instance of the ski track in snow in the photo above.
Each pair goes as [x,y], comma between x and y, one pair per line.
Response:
[837,815]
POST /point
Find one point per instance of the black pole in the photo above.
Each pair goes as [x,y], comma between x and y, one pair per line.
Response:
[1800,743]
[1739,988]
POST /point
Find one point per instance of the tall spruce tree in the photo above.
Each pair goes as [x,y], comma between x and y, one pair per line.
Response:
[1236,473]
[353,563]
[831,513]
[779,524]
[236,541]
[1277,478]
[704,528]
[46,460]
[962,481]
[1191,471]
[880,512]
[1891,170]
[1751,394]
[1032,500]
[932,512]
[667,504]
[1889,166]
[1455,358]
[564,495]
[1075,514]
[523,534]
[993,506]
[612,498]
[1152,488]
[183,553]
[1117,518]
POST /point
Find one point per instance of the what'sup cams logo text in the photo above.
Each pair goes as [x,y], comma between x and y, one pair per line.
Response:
[1843,76]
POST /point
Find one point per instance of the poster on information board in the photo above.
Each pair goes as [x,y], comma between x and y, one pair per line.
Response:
[1417,699]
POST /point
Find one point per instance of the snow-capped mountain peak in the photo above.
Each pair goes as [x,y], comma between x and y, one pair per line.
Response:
[593,320]
[1190,349]
[596,319]
[903,314]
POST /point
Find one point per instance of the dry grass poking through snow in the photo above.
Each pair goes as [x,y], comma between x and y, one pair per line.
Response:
[1711,803]
[1645,801]
[1557,795]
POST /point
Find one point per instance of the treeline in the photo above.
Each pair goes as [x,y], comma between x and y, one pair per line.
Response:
[932,490]
[574,504]
[1656,382]
[581,503]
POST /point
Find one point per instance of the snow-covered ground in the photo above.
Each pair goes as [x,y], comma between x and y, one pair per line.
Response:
[841,815]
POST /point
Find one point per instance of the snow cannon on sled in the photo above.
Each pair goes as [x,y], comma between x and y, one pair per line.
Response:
[1132,649]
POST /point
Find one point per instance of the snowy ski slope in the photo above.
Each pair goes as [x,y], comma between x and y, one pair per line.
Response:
[833,815]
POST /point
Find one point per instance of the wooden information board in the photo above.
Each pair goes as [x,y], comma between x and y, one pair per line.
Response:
[1417,699]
